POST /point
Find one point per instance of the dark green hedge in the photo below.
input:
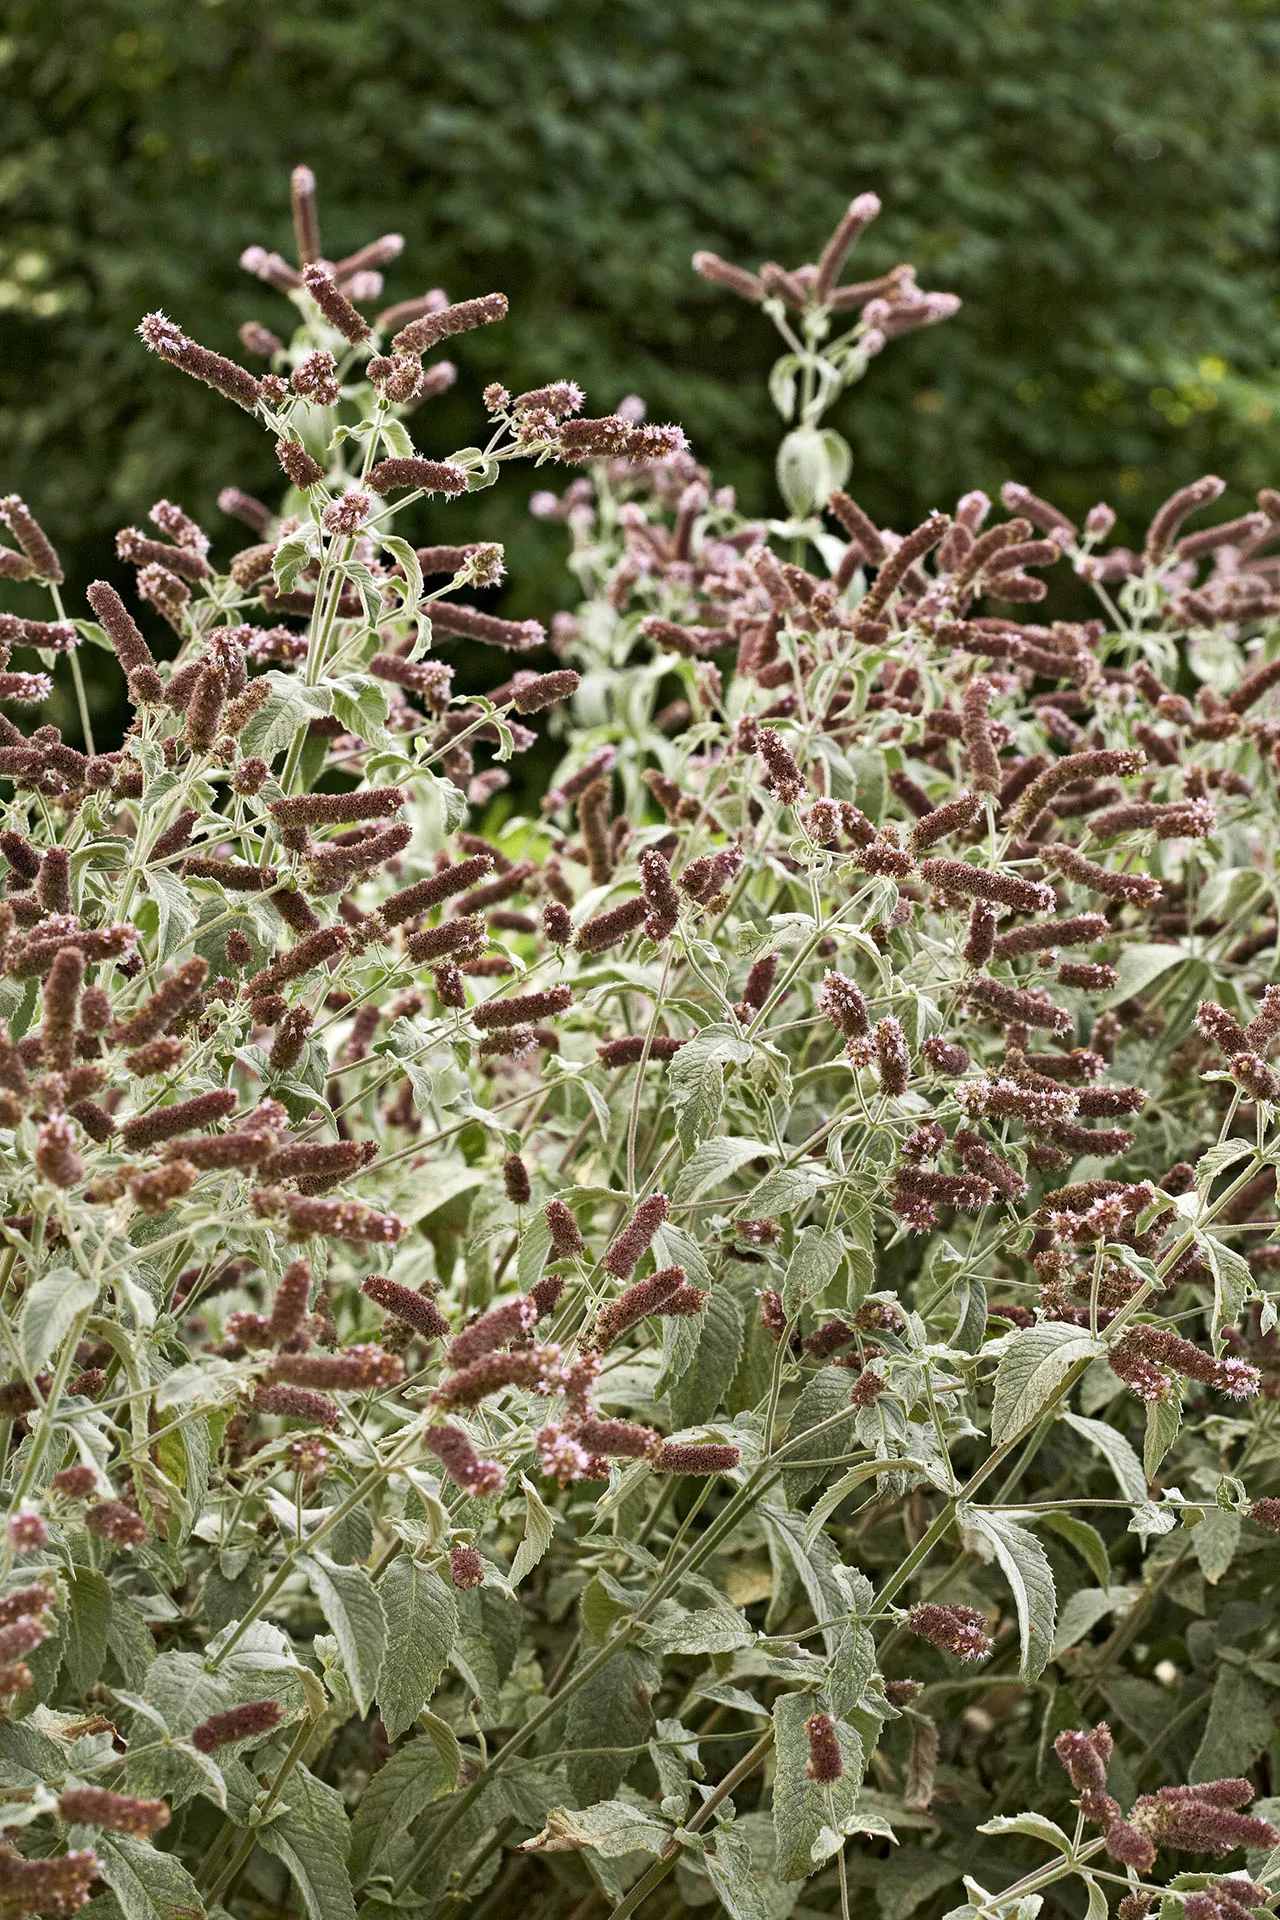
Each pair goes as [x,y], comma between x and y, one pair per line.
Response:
[1099,181]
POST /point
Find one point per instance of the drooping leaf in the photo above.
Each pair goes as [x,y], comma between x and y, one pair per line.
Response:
[1239,1726]
[539,1528]
[421,1627]
[611,1710]
[424,1768]
[1024,1565]
[704,1383]
[356,1618]
[86,1625]
[148,1884]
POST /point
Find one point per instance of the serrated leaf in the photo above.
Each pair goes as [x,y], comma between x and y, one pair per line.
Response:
[681,1333]
[714,1162]
[823,1397]
[1164,1419]
[803,1836]
[718,1042]
[1024,1565]
[1239,1726]
[174,908]
[148,1884]
[422,1625]
[611,1828]
[1232,1283]
[50,1308]
[355,1616]
[823,1508]
[1115,1450]
[782,1192]
[539,1530]
[611,1710]
[1214,1160]
[734,1875]
[422,1771]
[704,1383]
[1137,967]
[700,1112]
[1214,1543]
[1032,1367]
[85,1627]
[814,1263]
[701,1630]
[314,1864]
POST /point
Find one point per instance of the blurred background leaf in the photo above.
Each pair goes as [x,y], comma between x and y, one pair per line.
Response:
[1099,183]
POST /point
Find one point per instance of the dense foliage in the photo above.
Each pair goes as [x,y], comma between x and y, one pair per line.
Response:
[710,1341]
[1098,182]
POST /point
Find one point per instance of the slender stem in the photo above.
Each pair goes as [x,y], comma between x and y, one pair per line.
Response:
[662,1866]
[250,1840]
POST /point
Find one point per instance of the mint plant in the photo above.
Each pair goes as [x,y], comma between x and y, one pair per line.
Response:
[705,1342]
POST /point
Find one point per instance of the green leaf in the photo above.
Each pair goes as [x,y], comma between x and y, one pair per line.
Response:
[1164,1418]
[291,556]
[1115,1450]
[780,1193]
[1082,1612]
[1232,1283]
[1214,1542]
[610,1828]
[724,1044]
[1024,1565]
[539,1529]
[314,1864]
[803,1836]
[397,1793]
[1034,1825]
[356,1619]
[50,1309]
[148,1884]
[703,1385]
[826,1395]
[1137,967]
[700,1630]
[714,1162]
[823,1508]
[1032,1367]
[701,1111]
[681,1333]
[611,1710]
[85,1627]
[814,1263]
[407,556]
[422,1625]
[292,705]
[174,908]
[1239,1727]
[1086,1540]
[732,1873]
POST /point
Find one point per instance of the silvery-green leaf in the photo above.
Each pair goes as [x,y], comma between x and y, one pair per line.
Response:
[421,1625]
[353,1609]
[1024,1565]
[539,1529]
[1032,1367]
[50,1308]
